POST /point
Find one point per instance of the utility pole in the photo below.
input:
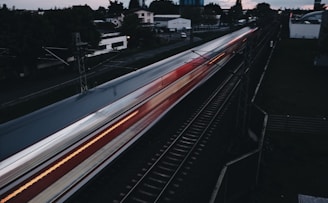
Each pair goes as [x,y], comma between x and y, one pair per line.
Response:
[79,57]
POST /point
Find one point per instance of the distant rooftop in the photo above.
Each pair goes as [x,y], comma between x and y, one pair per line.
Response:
[165,17]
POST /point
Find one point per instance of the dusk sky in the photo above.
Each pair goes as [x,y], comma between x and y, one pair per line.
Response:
[247,4]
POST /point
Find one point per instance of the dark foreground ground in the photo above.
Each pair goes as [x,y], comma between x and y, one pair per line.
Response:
[294,163]
[292,84]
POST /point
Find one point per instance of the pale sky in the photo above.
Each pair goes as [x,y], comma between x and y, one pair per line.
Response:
[247,4]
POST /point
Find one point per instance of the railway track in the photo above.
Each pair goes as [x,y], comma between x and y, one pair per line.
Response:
[166,164]
[159,181]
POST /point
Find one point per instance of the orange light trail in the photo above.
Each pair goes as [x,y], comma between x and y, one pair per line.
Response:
[216,58]
[66,159]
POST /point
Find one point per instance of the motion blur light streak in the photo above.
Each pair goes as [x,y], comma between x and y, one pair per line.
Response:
[216,58]
[66,159]
[134,103]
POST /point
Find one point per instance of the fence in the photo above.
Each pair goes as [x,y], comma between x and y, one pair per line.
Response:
[239,177]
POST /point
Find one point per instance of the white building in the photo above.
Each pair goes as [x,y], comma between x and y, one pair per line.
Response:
[110,42]
[172,22]
[307,27]
[146,17]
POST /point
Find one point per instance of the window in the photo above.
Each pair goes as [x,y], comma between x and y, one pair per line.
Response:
[117,44]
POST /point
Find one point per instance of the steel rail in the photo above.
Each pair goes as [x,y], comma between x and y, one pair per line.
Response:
[221,96]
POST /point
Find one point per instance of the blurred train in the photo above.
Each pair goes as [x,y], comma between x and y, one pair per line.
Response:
[49,154]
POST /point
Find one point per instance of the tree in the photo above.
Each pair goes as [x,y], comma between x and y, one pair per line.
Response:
[236,13]
[22,33]
[262,8]
[192,13]
[130,27]
[210,13]
[67,21]
[264,14]
[115,8]
[319,7]
[4,7]
[134,4]
[100,13]
[212,9]
[25,33]
[163,7]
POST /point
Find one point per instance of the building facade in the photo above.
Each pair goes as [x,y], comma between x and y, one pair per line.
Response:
[146,17]
[172,22]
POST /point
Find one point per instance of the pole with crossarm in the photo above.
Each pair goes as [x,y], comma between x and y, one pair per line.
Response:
[79,57]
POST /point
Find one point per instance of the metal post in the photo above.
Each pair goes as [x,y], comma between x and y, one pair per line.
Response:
[79,57]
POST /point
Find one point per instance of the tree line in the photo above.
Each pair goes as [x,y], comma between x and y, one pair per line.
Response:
[23,34]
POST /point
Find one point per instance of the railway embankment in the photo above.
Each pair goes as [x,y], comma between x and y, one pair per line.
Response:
[20,97]
[294,94]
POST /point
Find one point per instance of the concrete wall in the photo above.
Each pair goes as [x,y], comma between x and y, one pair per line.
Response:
[179,24]
[306,31]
